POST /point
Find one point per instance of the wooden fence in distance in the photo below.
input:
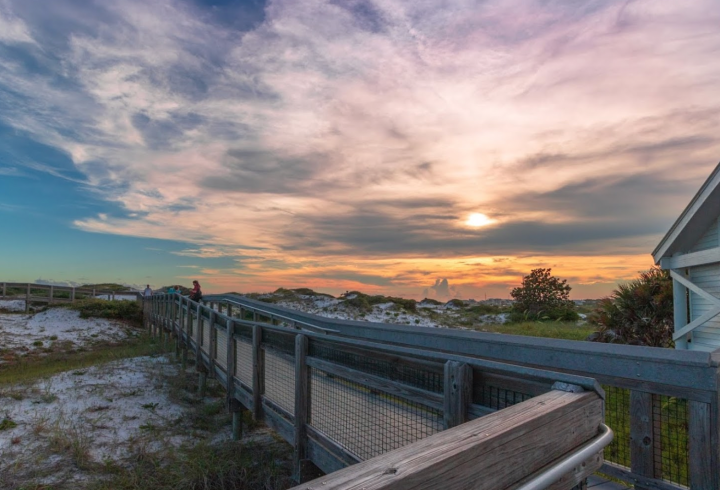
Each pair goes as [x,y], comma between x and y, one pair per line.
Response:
[46,293]
[342,401]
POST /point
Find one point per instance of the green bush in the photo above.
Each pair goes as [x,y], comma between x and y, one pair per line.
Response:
[543,297]
[130,311]
[639,312]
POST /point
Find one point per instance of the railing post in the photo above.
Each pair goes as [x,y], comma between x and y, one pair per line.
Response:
[703,441]
[642,436]
[258,381]
[51,294]
[458,393]
[198,337]
[72,295]
[228,309]
[27,299]
[302,406]
[4,289]
[212,348]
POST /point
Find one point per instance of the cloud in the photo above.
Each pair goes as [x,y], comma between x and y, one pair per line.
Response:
[287,133]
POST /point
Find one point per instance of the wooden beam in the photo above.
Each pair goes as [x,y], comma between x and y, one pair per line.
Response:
[695,288]
[702,457]
[493,452]
[709,256]
[696,323]
[302,407]
[641,435]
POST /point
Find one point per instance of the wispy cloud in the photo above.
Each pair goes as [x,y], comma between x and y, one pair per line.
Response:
[342,131]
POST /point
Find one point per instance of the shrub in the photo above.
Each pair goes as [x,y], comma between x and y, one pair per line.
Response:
[639,312]
[542,297]
[130,311]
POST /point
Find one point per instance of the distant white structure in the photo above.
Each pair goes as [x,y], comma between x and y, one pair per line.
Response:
[691,251]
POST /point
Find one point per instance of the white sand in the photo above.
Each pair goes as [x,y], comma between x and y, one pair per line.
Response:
[22,332]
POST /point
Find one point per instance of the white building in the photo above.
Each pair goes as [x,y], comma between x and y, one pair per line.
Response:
[691,251]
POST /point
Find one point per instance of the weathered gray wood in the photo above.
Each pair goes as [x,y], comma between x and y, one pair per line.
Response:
[230,354]
[283,426]
[324,459]
[702,453]
[410,393]
[578,474]
[258,380]
[302,406]
[623,474]
[642,439]
[493,452]
[4,290]
[342,454]
[458,393]
[212,348]
[198,337]
[27,300]
[50,295]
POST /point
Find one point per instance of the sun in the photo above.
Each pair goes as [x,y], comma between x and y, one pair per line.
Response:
[478,219]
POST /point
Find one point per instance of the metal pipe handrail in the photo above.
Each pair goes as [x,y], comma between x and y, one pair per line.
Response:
[562,468]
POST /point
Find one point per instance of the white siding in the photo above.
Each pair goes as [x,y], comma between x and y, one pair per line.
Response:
[707,336]
[709,239]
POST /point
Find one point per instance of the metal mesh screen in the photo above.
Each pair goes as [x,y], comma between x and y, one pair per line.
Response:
[280,341]
[205,335]
[243,361]
[670,429]
[364,421]
[221,347]
[497,398]
[428,377]
[280,380]
[617,417]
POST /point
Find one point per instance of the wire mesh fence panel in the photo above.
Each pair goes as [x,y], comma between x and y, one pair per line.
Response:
[205,335]
[280,341]
[243,361]
[497,398]
[280,380]
[617,417]
[670,428]
[365,421]
[221,348]
[425,375]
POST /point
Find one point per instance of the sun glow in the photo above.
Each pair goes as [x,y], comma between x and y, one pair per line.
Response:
[479,219]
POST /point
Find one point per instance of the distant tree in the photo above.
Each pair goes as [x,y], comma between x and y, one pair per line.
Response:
[639,312]
[543,296]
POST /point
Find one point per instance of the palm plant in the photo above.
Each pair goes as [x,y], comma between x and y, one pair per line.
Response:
[639,312]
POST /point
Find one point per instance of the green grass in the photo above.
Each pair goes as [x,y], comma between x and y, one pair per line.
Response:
[230,466]
[555,330]
[27,369]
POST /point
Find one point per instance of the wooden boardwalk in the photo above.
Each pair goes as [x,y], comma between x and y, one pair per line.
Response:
[597,482]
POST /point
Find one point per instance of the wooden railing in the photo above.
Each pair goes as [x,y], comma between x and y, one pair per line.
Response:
[47,293]
[662,404]
[343,401]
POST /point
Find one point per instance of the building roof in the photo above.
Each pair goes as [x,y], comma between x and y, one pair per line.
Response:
[694,220]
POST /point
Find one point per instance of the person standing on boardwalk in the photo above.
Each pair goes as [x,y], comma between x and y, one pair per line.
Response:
[148,292]
[196,293]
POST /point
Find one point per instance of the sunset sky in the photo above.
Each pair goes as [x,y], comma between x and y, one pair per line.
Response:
[379,145]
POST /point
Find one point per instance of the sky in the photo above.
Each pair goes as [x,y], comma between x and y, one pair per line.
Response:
[414,148]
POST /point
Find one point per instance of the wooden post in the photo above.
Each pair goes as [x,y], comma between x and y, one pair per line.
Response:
[93,289]
[230,358]
[72,295]
[458,393]
[27,299]
[703,451]
[228,308]
[258,381]
[51,293]
[212,348]
[198,337]
[113,295]
[302,407]
[4,289]
[681,311]
[642,435]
